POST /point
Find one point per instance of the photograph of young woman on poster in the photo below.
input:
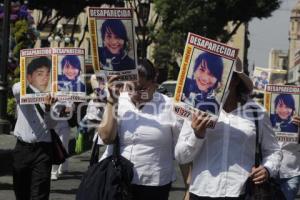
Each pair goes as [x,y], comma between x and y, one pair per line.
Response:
[284,109]
[113,54]
[199,90]
[69,79]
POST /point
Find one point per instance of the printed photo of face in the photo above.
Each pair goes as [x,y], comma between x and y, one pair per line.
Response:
[203,77]
[283,111]
[40,78]
[70,71]
[113,42]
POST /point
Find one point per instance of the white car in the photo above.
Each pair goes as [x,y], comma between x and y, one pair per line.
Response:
[167,88]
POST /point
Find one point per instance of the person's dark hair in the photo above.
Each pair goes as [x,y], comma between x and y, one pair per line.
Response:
[72,60]
[214,65]
[287,99]
[242,90]
[147,70]
[37,63]
[117,27]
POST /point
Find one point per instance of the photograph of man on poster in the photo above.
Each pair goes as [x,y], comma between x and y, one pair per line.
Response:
[38,75]
[200,87]
[114,46]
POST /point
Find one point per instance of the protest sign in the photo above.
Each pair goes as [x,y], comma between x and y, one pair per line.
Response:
[35,75]
[68,74]
[282,102]
[56,71]
[204,76]
[113,42]
[264,76]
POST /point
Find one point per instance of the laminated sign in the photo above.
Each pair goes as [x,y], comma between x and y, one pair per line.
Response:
[265,76]
[204,76]
[56,71]
[113,42]
[282,102]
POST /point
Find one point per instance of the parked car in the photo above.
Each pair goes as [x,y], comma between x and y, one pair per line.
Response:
[167,88]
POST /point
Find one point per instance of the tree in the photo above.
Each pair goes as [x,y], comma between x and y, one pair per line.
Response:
[207,18]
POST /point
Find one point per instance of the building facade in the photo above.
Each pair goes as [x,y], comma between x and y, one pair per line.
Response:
[294,45]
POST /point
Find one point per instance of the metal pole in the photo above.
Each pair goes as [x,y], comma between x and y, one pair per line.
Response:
[4,123]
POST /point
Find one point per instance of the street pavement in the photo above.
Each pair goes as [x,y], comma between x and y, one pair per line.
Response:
[66,186]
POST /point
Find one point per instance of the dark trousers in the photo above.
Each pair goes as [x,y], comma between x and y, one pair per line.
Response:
[141,192]
[195,197]
[32,170]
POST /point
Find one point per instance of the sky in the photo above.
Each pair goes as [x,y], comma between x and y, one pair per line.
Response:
[269,33]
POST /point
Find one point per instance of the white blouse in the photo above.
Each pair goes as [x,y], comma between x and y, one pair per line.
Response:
[147,138]
[223,160]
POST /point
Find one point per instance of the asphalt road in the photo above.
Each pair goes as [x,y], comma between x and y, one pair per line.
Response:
[66,186]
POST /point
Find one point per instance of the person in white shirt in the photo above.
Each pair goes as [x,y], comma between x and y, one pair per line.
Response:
[289,172]
[147,129]
[223,157]
[32,155]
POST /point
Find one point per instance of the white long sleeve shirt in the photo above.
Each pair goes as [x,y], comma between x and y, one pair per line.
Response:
[147,138]
[30,126]
[223,160]
[290,164]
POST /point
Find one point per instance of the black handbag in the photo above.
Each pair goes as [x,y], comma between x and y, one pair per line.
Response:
[59,153]
[270,189]
[109,179]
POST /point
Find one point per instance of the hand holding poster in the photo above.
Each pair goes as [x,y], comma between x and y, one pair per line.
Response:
[282,103]
[113,41]
[203,77]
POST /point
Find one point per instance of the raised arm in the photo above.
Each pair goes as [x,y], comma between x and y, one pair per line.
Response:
[107,129]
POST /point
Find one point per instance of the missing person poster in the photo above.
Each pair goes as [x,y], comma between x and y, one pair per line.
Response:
[69,74]
[204,76]
[113,42]
[282,103]
[261,77]
[264,76]
[35,75]
[56,71]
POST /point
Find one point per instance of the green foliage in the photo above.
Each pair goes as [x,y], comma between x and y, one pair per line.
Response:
[20,31]
[204,17]
[11,105]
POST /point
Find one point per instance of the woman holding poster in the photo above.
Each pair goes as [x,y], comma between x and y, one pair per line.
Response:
[113,54]
[284,111]
[223,158]
[207,75]
[147,128]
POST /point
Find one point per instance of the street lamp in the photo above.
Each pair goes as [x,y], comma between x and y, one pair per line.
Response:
[59,36]
[4,123]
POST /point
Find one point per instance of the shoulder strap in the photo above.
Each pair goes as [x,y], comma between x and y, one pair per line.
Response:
[257,144]
[116,147]
[38,107]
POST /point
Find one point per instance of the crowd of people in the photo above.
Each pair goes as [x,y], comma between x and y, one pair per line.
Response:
[152,136]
